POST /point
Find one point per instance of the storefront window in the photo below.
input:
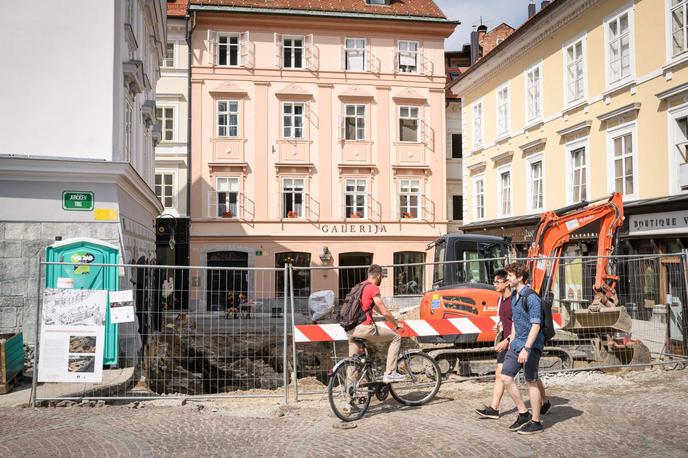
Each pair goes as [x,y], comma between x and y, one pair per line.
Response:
[408,279]
[302,278]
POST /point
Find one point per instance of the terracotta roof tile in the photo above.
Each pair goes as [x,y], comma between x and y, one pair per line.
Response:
[422,8]
[177,8]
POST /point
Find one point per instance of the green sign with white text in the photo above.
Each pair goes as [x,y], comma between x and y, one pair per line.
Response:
[77,200]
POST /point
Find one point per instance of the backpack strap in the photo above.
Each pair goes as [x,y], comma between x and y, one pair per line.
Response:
[524,299]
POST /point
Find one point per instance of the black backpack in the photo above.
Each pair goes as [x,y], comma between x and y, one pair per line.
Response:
[547,326]
[351,313]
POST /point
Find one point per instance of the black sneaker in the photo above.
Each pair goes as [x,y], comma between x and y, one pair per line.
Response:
[521,421]
[531,427]
[545,408]
[488,412]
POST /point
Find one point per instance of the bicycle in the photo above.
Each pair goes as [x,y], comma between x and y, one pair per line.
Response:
[354,380]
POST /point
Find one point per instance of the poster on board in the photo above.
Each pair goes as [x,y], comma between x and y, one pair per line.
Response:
[72,335]
[122,306]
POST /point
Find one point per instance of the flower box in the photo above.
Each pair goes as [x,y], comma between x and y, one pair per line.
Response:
[292,214]
[356,215]
[227,214]
[407,215]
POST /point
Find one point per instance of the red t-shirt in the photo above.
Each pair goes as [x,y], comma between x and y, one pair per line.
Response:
[369,292]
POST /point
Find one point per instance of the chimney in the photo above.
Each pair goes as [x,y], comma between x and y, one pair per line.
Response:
[475,47]
[544,4]
[531,10]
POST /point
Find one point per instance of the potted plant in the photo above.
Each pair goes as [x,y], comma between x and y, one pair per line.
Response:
[292,214]
[406,215]
[227,214]
[356,215]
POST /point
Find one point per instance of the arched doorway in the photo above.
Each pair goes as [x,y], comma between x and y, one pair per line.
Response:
[349,277]
[221,282]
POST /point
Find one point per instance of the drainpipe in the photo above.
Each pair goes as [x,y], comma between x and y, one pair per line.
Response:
[188,31]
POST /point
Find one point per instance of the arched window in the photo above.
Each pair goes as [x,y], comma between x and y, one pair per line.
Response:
[302,278]
[408,279]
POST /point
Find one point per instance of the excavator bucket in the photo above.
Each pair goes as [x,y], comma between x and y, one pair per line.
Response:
[607,319]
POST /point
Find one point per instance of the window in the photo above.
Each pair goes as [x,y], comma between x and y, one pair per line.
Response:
[618,48]
[293,195]
[409,199]
[536,185]
[228,197]
[355,54]
[292,52]
[679,27]
[128,128]
[478,125]
[574,75]
[408,279]
[457,146]
[457,208]
[503,111]
[505,193]
[355,198]
[479,190]
[623,167]
[292,120]
[169,55]
[164,188]
[166,117]
[354,122]
[408,124]
[228,50]
[578,175]
[227,118]
[302,278]
[408,56]
[534,93]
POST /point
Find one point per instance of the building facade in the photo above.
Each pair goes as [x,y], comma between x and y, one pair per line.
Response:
[316,139]
[587,98]
[76,122]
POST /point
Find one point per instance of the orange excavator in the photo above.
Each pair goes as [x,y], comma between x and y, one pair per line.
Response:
[462,288]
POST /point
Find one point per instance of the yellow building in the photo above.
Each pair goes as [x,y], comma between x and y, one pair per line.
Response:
[586,98]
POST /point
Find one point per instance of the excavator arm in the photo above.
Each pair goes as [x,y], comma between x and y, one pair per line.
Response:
[554,231]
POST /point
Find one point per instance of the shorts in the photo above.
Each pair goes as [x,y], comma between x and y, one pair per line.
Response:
[530,368]
[501,355]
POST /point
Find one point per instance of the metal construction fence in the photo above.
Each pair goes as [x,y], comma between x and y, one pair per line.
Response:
[271,332]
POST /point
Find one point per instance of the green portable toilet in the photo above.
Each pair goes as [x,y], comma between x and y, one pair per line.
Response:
[86,250]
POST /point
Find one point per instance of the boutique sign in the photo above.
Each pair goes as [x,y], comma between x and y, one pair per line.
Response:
[659,222]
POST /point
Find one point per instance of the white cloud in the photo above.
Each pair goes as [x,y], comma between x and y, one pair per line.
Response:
[469,12]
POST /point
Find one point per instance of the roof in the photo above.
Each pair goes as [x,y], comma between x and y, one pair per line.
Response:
[541,15]
[415,8]
[177,8]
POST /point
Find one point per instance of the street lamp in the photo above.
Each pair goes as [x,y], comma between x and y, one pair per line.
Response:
[171,242]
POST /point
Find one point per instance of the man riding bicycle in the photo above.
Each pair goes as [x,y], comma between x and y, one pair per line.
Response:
[371,300]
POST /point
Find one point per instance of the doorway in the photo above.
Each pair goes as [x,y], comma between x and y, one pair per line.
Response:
[220,282]
[350,276]
[672,291]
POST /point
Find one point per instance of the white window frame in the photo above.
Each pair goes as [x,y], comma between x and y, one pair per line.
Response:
[530,181]
[293,117]
[408,207]
[628,9]
[163,107]
[507,111]
[357,118]
[675,160]
[302,213]
[628,128]
[669,33]
[582,39]
[303,51]
[501,171]
[478,124]
[478,198]
[355,208]
[534,117]
[417,53]
[417,118]
[229,46]
[570,148]
[128,129]
[364,50]
[174,55]
[173,196]
[227,113]
[236,179]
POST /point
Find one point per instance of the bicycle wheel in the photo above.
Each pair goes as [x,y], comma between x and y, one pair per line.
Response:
[423,379]
[349,391]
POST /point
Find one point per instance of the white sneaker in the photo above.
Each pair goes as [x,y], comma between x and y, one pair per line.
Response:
[392,377]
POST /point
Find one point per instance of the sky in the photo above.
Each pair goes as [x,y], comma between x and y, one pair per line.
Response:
[493,12]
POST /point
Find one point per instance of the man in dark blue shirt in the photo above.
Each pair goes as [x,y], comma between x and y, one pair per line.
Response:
[527,344]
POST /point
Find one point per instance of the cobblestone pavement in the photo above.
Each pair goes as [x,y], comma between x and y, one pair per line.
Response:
[637,414]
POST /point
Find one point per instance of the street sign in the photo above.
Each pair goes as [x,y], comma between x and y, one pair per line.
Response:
[77,200]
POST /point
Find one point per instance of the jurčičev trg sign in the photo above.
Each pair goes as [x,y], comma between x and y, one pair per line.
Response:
[77,200]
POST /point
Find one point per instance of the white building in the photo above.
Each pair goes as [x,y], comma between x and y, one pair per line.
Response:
[77,115]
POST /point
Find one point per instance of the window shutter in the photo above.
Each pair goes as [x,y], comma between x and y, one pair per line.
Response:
[245,50]
[308,42]
[278,49]
[342,56]
[340,131]
[212,46]
[426,65]
[395,61]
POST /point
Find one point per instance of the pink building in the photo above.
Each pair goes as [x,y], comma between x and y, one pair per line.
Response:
[317,138]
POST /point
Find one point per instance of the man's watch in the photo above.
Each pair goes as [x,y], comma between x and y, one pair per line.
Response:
[527,349]
[508,339]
